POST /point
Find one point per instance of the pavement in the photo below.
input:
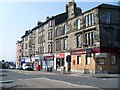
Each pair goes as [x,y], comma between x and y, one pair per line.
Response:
[102,75]
[77,74]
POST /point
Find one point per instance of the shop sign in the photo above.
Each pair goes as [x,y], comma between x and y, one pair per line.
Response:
[78,52]
[48,57]
[100,55]
[23,60]
[27,60]
[60,55]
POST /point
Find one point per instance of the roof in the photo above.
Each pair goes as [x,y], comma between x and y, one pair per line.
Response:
[104,6]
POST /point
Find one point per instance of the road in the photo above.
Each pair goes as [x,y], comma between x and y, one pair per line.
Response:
[37,79]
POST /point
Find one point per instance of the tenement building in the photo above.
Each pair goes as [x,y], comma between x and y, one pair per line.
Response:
[91,39]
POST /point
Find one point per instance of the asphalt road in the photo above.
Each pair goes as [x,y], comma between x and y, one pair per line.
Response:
[19,76]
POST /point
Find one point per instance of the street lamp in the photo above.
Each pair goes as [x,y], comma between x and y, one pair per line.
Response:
[88,52]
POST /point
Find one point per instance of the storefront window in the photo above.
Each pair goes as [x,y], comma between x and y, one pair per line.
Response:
[78,59]
[87,60]
[60,62]
[113,60]
[100,61]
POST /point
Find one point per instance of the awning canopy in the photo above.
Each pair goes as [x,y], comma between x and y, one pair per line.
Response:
[48,57]
[60,55]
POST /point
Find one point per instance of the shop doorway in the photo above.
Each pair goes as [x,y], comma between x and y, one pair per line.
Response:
[100,65]
[59,63]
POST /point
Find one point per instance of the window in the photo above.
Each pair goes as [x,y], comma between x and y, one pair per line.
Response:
[89,38]
[49,35]
[65,43]
[65,29]
[58,32]
[78,59]
[113,59]
[26,46]
[78,24]
[25,53]
[107,17]
[93,21]
[86,21]
[38,50]
[49,48]
[38,40]
[79,41]
[89,20]
[50,23]
[101,61]
[42,49]
[92,38]
[42,39]
[58,45]
[89,17]
[87,60]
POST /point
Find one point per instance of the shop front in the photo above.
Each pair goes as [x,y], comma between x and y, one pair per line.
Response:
[35,62]
[107,60]
[48,61]
[100,61]
[80,62]
[59,61]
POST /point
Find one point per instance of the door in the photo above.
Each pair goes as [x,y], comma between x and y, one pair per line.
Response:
[100,65]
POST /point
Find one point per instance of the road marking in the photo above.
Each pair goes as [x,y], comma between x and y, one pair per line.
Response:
[19,79]
[83,86]
[6,81]
[86,86]
[106,79]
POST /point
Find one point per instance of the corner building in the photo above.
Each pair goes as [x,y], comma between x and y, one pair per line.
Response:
[96,31]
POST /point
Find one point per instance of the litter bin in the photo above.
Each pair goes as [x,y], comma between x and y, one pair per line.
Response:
[38,67]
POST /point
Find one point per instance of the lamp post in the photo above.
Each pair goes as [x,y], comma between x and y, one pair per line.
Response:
[88,52]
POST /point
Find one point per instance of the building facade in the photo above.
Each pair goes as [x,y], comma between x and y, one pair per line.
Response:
[18,53]
[91,38]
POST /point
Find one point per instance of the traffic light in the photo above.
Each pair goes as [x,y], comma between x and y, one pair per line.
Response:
[68,58]
[88,52]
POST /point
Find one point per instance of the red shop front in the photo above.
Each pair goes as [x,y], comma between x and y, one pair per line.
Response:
[59,60]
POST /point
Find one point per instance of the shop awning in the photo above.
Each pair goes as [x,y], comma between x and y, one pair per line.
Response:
[60,55]
[48,57]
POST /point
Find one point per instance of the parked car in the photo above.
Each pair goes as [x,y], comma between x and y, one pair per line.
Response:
[11,67]
[27,67]
[19,67]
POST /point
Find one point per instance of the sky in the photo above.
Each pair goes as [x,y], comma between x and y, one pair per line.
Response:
[17,17]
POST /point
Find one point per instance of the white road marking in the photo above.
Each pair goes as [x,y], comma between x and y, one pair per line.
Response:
[6,81]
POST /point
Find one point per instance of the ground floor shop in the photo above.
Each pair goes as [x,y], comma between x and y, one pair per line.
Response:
[60,61]
[47,61]
[99,62]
